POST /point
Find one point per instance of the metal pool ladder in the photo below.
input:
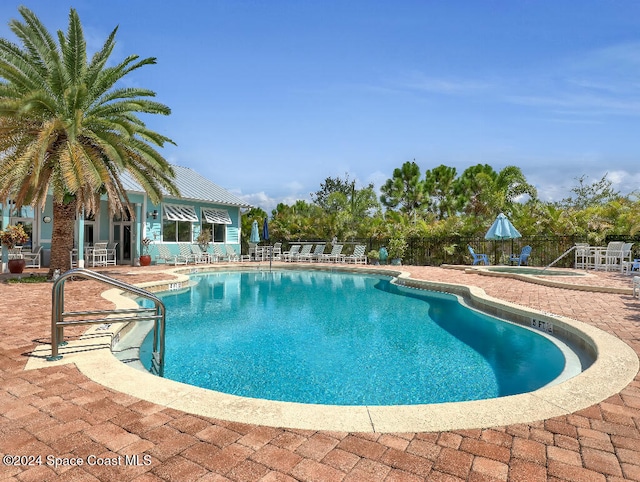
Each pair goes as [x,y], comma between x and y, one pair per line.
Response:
[60,318]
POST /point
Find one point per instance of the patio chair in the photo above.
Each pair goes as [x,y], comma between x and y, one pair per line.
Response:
[98,254]
[111,254]
[335,255]
[252,251]
[358,256]
[523,257]
[32,259]
[277,252]
[611,259]
[168,257]
[292,253]
[583,256]
[477,258]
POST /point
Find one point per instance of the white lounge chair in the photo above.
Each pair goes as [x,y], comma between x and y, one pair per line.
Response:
[358,256]
[304,254]
[199,255]
[313,255]
[168,257]
[232,255]
[292,253]
[335,255]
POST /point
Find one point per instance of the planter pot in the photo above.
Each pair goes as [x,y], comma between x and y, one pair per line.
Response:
[16,266]
[145,260]
[396,261]
[374,262]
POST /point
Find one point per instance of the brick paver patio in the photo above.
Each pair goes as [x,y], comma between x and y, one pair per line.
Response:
[91,431]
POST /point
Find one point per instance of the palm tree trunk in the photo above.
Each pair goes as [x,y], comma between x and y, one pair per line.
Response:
[64,216]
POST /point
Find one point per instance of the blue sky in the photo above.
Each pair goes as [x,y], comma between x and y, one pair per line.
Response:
[269,98]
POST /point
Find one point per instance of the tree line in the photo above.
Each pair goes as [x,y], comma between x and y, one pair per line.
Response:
[443,202]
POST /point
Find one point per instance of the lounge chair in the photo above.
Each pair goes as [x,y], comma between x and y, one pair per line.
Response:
[358,256]
[315,255]
[292,253]
[220,252]
[304,254]
[32,259]
[335,255]
[232,255]
[523,257]
[477,258]
[200,256]
[168,257]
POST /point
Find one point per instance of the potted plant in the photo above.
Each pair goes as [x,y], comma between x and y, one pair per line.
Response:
[145,257]
[374,256]
[203,239]
[397,247]
[10,237]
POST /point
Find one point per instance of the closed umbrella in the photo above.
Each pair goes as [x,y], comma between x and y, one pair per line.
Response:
[255,233]
[265,230]
[502,229]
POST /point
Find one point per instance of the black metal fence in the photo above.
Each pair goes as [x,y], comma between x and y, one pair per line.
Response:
[434,251]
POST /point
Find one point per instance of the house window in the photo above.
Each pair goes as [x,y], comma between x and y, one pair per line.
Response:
[89,228]
[216,220]
[25,216]
[177,223]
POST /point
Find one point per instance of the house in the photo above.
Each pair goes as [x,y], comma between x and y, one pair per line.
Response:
[202,205]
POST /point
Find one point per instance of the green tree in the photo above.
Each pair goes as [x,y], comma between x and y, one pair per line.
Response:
[590,194]
[440,187]
[66,128]
[330,186]
[483,192]
[405,190]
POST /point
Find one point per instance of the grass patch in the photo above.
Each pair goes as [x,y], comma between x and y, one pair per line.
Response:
[32,278]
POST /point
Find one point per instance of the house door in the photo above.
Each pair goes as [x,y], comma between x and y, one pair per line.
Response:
[122,236]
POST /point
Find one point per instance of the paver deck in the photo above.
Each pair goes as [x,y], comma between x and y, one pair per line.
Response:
[58,413]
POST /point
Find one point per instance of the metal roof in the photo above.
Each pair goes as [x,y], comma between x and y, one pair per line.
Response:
[193,186]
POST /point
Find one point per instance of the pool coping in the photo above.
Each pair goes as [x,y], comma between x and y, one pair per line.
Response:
[615,367]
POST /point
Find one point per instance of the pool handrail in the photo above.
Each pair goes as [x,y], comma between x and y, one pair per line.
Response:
[560,257]
[58,315]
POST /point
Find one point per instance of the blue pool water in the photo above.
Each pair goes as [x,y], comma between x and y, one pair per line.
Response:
[343,339]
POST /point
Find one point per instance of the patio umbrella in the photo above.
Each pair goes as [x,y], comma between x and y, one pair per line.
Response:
[502,229]
[255,234]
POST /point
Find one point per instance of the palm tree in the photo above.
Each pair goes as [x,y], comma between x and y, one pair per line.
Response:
[68,131]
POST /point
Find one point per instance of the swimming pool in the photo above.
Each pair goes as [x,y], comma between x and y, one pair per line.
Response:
[345,339]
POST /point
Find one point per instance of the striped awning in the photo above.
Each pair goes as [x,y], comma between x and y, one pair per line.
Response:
[216,216]
[174,212]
